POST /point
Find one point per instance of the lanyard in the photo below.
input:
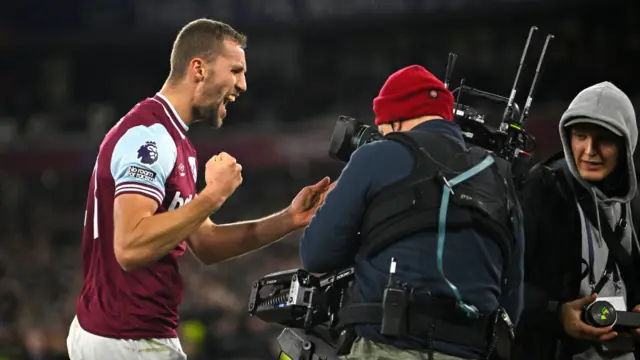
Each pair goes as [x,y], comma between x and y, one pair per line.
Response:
[610,268]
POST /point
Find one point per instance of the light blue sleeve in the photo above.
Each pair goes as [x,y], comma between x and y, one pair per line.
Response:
[142,160]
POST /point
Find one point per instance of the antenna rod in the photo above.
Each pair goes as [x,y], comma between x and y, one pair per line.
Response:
[451,62]
[507,111]
[455,108]
[527,106]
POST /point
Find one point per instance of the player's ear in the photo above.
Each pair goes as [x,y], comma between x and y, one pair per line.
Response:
[197,69]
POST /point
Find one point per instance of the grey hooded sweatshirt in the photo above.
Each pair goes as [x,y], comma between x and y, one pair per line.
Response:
[605,105]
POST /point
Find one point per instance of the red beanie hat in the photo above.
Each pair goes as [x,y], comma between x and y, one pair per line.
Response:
[410,93]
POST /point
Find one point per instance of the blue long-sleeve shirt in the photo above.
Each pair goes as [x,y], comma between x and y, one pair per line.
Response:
[472,262]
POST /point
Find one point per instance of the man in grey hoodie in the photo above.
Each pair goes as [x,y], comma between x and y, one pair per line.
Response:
[566,257]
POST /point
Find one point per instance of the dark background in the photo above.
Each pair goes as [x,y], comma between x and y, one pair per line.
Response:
[70,69]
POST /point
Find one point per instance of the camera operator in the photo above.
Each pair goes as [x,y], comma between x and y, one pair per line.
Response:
[577,205]
[387,204]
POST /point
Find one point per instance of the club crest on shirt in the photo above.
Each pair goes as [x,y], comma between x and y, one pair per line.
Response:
[148,153]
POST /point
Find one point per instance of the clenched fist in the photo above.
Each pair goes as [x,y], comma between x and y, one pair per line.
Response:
[223,175]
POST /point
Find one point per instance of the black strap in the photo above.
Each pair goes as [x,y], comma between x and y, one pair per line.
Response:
[421,320]
[610,267]
[442,143]
[613,239]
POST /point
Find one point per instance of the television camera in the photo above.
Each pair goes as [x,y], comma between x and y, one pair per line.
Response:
[509,140]
[307,305]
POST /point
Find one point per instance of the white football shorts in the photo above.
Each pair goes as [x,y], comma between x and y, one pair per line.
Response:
[83,345]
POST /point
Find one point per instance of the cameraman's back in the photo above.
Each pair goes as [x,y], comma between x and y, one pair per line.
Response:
[472,261]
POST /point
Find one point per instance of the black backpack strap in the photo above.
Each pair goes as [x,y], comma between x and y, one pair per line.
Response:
[410,143]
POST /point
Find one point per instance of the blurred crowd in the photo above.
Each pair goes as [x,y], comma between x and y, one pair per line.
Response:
[298,74]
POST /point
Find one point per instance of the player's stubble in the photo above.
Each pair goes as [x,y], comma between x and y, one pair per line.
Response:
[210,113]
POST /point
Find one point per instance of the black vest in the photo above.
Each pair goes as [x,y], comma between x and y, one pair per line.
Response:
[485,202]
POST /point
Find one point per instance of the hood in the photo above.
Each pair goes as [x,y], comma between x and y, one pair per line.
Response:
[605,105]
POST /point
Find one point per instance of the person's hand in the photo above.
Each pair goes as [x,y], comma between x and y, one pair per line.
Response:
[307,202]
[570,314]
[223,175]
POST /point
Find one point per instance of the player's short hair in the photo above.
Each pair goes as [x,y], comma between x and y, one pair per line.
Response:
[201,38]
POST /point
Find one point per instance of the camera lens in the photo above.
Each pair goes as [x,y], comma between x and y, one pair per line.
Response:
[601,314]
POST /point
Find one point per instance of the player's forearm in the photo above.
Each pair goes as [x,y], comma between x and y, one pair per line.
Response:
[155,236]
[216,243]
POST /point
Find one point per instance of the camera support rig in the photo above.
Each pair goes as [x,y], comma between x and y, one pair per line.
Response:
[509,141]
[307,305]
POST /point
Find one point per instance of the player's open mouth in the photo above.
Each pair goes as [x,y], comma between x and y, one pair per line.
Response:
[229,98]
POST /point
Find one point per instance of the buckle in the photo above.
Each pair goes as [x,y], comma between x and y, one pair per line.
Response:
[445,182]
[622,224]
